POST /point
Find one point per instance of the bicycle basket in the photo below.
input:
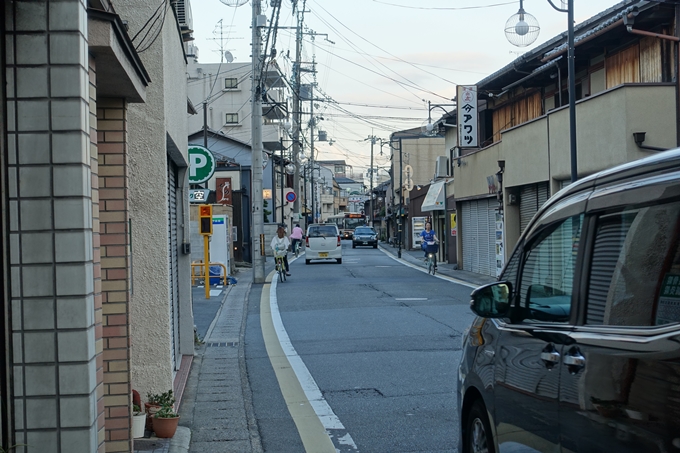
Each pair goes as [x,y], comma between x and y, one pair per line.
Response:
[431,248]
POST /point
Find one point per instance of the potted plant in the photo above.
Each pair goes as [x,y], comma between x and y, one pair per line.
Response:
[154,402]
[138,421]
[165,422]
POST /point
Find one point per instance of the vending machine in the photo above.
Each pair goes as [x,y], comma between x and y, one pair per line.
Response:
[417,226]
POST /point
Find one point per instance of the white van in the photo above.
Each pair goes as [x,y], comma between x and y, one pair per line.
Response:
[323,243]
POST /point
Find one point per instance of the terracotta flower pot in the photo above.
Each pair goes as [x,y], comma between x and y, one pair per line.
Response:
[150,410]
[165,427]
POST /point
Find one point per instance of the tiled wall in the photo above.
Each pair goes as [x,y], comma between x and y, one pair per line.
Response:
[52,246]
[115,252]
[96,252]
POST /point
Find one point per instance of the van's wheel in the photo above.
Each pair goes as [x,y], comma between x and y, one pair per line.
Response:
[354,245]
[478,437]
[339,260]
[375,246]
[308,261]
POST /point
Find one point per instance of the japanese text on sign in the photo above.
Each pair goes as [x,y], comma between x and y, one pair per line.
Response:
[467,116]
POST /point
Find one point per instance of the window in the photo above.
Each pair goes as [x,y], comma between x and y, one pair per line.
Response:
[547,279]
[230,83]
[323,231]
[340,169]
[231,118]
[635,268]
[510,272]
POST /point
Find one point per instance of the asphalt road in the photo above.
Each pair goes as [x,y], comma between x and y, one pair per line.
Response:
[382,342]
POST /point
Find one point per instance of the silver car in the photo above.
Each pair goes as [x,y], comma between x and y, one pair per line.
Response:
[323,243]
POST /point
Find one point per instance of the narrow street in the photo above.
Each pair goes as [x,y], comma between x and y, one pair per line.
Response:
[380,340]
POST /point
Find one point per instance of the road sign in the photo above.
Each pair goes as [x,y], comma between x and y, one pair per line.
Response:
[408,185]
[201,164]
[291,197]
[408,170]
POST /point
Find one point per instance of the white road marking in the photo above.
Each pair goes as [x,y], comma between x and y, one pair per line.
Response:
[321,408]
[423,270]
[215,292]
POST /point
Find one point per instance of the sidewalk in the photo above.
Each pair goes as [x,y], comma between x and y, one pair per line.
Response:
[217,413]
[217,407]
[415,257]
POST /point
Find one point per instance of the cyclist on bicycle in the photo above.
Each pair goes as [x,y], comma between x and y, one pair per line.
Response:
[296,236]
[429,238]
[280,244]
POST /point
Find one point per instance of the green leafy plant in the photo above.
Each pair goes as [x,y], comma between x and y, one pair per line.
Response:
[136,409]
[166,412]
[2,450]
[266,211]
[161,399]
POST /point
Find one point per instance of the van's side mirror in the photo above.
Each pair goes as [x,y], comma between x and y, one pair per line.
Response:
[491,301]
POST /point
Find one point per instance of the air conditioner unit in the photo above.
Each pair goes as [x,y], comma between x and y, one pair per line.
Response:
[441,169]
[183,9]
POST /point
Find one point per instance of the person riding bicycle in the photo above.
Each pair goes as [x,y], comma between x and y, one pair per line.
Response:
[280,244]
[428,238]
[296,236]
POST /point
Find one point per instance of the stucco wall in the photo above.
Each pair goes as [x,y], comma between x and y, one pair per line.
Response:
[605,124]
[470,180]
[148,124]
[526,148]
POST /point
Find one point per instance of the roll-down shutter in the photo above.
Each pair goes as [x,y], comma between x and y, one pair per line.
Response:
[478,219]
[531,198]
[172,263]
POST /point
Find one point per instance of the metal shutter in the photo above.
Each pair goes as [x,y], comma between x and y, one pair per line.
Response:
[467,234]
[172,263]
[531,198]
[478,220]
[611,234]
[474,236]
[491,206]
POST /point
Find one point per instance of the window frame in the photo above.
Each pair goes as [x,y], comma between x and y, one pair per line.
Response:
[227,115]
[594,216]
[235,87]
[553,213]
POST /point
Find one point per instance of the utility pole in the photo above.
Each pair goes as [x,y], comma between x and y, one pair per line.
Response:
[370,193]
[297,106]
[256,158]
[401,198]
[283,200]
[311,144]
[205,132]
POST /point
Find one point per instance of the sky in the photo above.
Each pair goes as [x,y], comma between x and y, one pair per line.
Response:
[382,60]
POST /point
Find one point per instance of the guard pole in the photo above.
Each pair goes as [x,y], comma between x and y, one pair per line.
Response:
[206,260]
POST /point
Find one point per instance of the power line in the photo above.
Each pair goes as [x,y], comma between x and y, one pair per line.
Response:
[455,8]
[383,50]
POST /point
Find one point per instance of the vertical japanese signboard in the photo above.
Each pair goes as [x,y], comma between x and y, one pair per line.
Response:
[223,190]
[467,116]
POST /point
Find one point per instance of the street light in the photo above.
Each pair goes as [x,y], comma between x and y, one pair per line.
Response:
[429,127]
[522,30]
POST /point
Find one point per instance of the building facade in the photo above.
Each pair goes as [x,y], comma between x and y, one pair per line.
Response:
[626,82]
[77,297]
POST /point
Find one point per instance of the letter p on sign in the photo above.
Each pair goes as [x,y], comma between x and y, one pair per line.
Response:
[201,164]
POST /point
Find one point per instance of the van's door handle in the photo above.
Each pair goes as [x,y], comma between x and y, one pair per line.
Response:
[550,356]
[574,360]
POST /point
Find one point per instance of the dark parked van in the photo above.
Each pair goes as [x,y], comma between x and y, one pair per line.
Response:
[577,347]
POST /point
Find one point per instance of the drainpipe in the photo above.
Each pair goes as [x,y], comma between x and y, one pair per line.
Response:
[629,26]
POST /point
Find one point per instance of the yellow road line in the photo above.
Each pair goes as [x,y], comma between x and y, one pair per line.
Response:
[313,434]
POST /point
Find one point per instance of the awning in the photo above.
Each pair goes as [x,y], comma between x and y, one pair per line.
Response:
[434,200]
